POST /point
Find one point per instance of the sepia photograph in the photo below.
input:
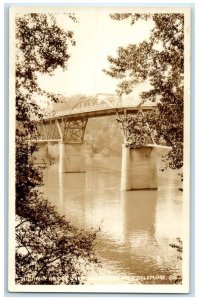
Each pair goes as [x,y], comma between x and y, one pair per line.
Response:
[99,149]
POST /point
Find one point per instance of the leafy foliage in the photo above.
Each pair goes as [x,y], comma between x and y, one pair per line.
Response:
[136,130]
[33,57]
[48,249]
[179,247]
[159,61]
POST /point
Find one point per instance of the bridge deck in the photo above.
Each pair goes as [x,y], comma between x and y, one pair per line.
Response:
[75,114]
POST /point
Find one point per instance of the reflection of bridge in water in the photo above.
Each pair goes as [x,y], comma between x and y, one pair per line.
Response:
[68,128]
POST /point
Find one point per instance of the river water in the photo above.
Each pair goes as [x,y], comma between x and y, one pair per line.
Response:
[136,227]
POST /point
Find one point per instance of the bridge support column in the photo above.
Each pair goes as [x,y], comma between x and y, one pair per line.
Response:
[139,169]
[61,157]
[72,158]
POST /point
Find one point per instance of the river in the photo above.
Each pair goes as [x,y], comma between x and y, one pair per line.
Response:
[136,227]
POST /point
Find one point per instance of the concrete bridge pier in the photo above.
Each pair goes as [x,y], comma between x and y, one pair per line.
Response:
[139,168]
[71,158]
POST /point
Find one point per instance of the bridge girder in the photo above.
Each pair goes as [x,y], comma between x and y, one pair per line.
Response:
[68,131]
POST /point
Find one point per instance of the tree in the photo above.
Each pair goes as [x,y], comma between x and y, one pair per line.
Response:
[160,61]
[49,250]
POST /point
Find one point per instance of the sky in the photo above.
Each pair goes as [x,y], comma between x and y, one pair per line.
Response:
[97,36]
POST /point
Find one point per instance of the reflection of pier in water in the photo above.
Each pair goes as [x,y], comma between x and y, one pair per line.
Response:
[135,223]
[130,237]
[139,208]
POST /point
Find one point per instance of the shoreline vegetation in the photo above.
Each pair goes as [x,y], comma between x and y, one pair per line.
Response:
[50,250]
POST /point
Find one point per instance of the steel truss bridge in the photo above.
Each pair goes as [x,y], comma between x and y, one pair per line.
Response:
[69,126]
